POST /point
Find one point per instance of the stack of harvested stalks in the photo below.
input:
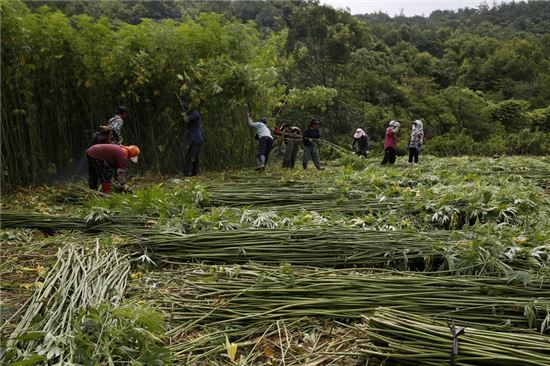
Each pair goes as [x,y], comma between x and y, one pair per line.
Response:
[242,295]
[312,246]
[294,198]
[78,280]
[409,339]
[53,223]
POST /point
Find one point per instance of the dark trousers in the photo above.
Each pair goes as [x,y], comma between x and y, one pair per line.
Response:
[361,152]
[413,154]
[389,156]
[99,172]
[264,148]
[191,163]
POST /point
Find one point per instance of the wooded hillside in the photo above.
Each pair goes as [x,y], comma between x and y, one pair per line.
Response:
[478,78]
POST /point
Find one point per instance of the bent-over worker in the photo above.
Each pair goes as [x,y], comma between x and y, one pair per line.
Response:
[106,161]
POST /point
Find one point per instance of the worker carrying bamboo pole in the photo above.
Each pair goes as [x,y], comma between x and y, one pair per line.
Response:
[194,141]
[116,123]
[108,161]
[311,138]
[292,146]
[265,140]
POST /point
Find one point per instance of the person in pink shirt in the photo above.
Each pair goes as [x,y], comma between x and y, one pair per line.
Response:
[390,143]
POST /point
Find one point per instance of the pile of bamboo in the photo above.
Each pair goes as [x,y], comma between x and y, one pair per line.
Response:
[242,295]
[53,223]
[313,246]
[79,279]
[404,338]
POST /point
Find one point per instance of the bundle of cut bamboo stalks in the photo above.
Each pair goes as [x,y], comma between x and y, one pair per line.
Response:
[409,339]
[78,280]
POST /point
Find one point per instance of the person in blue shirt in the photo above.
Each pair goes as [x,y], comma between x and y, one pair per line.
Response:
[194,142]
[265,140]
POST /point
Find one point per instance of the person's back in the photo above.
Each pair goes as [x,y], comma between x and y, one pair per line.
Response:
[113,154]
[194,130]
[116,123]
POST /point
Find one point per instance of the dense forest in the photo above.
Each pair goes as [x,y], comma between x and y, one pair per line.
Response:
[478,78]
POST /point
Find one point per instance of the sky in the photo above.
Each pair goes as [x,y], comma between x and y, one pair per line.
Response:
[409,7]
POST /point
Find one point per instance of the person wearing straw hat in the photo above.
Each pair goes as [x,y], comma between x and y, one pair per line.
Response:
[360,143]
[390,143]
[106,161]
[311,138]
[265,140]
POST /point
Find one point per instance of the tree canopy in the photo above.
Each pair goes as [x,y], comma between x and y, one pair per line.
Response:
[482,73]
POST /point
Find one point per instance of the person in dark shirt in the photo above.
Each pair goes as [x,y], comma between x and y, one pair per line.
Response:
[194,142]
[106,161]
[360,143]
[311,138]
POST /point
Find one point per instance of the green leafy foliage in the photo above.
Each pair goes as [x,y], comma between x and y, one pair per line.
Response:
[130,333]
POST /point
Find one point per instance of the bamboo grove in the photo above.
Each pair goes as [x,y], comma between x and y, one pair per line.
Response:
[482,88]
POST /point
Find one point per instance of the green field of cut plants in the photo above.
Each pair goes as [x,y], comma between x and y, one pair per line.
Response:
[359,264]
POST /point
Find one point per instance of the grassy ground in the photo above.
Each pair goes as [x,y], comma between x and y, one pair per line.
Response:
[447,218]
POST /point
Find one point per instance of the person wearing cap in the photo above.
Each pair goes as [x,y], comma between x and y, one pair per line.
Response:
[194,142]
[360,142]
[311,138]
[417,139]
[116,123]
[293,144]
[390,143]
[265,140]
[106,161]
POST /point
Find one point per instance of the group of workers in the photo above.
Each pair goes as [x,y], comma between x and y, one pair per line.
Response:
[391,138]
[292,136]
[108,157]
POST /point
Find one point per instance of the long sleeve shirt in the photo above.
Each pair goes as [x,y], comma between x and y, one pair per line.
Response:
[261,129]
[194,131]
[116,123]
[311,133]
[114,155]
[390,140]
[362,143]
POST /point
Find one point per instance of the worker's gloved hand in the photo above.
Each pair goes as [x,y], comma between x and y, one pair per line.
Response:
[127,189]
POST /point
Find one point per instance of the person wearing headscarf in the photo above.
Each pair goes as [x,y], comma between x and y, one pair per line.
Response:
[417,139]
[292,146]
[360,142]
[390,143]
